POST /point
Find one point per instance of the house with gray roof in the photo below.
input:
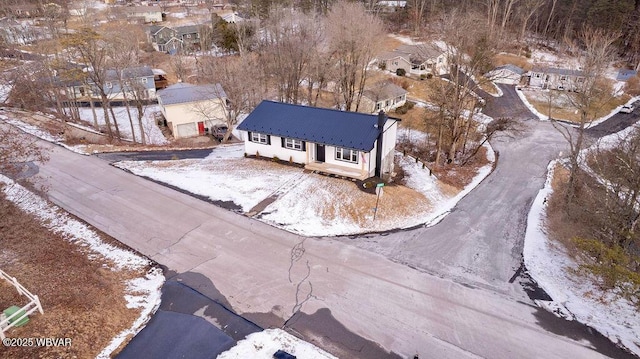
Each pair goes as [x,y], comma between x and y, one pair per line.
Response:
[385,96]
[171,40]
[349,144]
[506,74]
[420,59]
[193,110]
[556,78]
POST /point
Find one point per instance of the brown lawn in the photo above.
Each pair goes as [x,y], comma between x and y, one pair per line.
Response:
[559,105]
[82,298]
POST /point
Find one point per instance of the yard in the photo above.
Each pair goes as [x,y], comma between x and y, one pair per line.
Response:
[560,105]
[93,290]
[307,203]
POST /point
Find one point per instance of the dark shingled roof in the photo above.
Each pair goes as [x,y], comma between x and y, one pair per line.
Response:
[352,130]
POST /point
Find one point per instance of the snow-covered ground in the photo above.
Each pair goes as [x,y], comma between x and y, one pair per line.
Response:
[263,344]
[142,292]
[307,203]
[574,297]
[151,131]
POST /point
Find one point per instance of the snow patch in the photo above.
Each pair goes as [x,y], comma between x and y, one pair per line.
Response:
[263,344]
[550,266]
[142,292]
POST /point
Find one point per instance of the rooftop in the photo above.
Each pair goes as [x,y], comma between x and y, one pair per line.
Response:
[185,93]
[383,91]
[352,130]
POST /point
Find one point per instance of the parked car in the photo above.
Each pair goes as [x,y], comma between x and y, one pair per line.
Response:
[627,109]
[281,354]
[219,132]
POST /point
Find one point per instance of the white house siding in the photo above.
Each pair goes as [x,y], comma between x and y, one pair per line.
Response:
[366,160]
[397,63]
[275,149]
[388,146]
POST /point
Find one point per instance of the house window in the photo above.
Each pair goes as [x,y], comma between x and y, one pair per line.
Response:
[345,154]
[399,99]
[378,106]
[144,80]
[108,85]
[580,80]
[563,78]
[259,138]
[439,60]
[188,36]
[395,63]
[537,76]
[387,103]
[293,144]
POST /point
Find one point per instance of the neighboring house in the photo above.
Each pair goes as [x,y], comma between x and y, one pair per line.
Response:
[506,74]
[625,74]
[384,96]
[78,9]
[130,83]
[167,39]
[23,10]
[557,79]
[349,144]
[232,18]
[390,6]
[416,59]
[192,110]
[146,13]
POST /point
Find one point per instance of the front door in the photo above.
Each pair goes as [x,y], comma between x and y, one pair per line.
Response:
[201,128]
[319,152]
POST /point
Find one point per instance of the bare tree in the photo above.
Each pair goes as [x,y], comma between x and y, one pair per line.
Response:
[17,149]
[240,82]
[597,51]
[353,45]
[289,42]
[91,49]
[469,53]
[527,9]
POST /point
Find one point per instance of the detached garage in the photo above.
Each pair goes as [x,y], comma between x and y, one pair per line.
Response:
[192,110]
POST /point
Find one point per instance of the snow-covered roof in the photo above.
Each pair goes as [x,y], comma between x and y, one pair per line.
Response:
[232,18]
[185,93]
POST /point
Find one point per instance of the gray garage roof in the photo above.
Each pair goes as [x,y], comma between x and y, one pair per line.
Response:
[185,93]
[353,130]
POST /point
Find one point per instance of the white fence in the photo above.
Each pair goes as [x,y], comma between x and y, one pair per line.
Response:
[32,306]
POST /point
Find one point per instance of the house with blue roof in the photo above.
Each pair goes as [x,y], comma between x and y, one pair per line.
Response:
[193,110]
[349,144]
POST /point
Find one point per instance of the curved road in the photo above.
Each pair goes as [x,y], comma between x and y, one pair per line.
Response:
[324,288]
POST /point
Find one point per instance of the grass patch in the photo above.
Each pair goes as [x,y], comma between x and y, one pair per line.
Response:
[505,59]
[559,105]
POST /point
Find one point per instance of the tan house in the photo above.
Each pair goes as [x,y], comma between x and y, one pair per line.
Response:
[419,59]
[149,14]
[385,96]
[192,110]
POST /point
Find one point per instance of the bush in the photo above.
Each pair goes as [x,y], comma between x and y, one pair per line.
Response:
[382,65]
[401,72]
[276,159]
[423,76]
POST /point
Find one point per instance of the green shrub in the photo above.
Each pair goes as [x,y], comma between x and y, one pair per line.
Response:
[401,72]
[276,159]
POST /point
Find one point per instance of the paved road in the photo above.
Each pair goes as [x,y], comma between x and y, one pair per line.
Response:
[268,275]
[616,123]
